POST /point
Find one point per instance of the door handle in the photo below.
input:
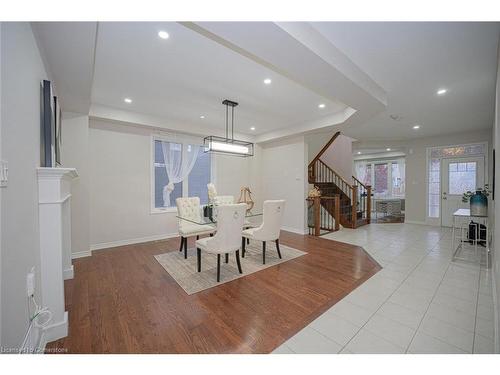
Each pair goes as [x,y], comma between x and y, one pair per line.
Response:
[444,195]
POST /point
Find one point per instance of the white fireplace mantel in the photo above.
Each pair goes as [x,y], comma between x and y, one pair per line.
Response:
[54,196]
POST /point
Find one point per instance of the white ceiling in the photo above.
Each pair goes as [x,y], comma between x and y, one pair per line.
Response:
[188,75]
[376,69]
[411,61]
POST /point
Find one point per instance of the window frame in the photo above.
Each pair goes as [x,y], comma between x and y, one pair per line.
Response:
[184,141]
[436,221]
[387,161]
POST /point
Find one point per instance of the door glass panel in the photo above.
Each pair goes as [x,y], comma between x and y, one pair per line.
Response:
[462,177]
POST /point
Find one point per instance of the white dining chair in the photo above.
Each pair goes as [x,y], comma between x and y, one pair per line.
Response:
[229,199]
[230,219]
[269,230]
[190,210]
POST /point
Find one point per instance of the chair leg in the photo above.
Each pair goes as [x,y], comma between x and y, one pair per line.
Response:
[218,267]
[185,248]
[197,237]
[182,243]
[238,261]
[278,247]
[227,257]
[243,246]
[198,255]
[263,252]
[248,241]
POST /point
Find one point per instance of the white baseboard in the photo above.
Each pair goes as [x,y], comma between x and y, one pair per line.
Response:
[68,273]
[81,254]
[415,222]
[294,230]
[496,313]
[133,241]
[57,330]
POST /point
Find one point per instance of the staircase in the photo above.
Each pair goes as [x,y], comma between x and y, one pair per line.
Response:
[354,197]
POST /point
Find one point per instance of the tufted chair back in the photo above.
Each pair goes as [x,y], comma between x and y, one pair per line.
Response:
[230,219]
[224,199]
[271,222]
[188,208]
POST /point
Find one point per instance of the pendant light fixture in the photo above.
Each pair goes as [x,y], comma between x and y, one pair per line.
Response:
[228,145]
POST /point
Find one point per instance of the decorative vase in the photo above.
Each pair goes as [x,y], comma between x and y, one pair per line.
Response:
[479,204]
[208,212]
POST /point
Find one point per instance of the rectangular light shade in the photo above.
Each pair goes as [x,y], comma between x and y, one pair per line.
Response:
[228,146]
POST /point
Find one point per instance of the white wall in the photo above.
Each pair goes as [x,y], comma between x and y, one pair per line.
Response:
[22,71]
[496,209]
[75,154]
[120,191]
[315,142]
[416,169]
[1,23]
[284,171]
[339,157]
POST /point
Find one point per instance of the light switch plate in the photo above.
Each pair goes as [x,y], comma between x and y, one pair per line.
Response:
[4,173]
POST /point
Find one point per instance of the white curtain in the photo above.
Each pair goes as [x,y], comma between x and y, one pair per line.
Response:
[401,170]
[360,170]
[177,166]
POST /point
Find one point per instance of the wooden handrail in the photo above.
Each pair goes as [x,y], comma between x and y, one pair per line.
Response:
[360,183]
[325,147]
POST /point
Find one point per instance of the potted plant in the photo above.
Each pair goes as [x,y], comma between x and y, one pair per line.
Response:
[478,201]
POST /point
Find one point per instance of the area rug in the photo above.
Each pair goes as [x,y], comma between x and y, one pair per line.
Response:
[184,271]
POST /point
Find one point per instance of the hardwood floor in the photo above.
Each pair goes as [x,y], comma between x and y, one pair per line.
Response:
[121,300]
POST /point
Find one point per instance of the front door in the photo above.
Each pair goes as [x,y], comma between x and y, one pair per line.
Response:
[459,175]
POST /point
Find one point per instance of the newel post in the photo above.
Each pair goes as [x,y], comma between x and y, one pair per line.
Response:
[368,204]
[337,211]
[354,203]
[317,211]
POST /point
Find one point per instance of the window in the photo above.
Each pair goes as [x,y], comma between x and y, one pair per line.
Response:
[387,177]
[183,157]
[434,187]
[200,176]
[398,179]
[462,177]
[381,184]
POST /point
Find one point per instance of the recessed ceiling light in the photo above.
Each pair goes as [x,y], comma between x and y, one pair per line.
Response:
[163,34]
[359,152]
[321,105]
[202,117]
[127,100]
[267,81]
[388,149]
[441,91]
[252,128]
[416,127]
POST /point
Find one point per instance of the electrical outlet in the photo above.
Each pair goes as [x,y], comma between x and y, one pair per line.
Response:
[30,282]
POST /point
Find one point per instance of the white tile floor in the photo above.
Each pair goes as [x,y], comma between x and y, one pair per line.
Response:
[420,302]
